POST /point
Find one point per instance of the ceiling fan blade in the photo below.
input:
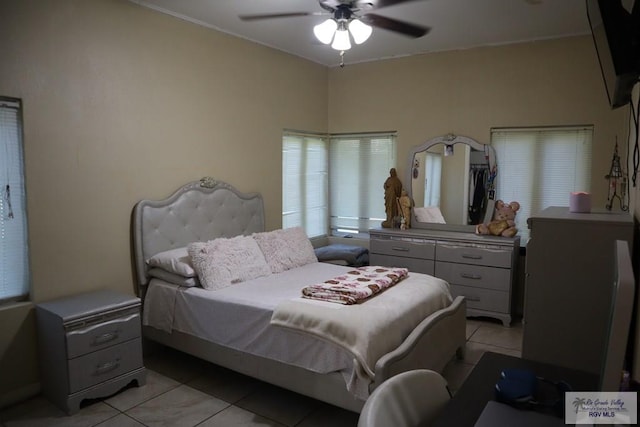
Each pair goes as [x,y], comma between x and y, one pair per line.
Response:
[276,15]
[377,4]
[404,28]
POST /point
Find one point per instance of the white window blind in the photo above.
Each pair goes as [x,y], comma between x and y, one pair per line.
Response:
[304,183]
[540,167]
[14,259]
[359,166]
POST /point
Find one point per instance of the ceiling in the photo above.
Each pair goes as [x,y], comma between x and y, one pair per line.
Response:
[455,24]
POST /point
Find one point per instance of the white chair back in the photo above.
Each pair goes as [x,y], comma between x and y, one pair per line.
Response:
[409,399]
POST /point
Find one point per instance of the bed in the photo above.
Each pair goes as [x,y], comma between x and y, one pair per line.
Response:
[256,333]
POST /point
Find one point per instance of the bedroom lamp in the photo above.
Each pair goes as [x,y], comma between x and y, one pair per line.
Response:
[617,180]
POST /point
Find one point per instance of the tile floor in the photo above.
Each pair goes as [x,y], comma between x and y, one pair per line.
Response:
[183,391]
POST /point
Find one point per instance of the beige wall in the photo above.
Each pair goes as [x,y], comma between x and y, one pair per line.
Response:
[123,103]
[467,92]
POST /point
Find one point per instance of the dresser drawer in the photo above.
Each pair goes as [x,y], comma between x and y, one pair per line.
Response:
[417,265]
[490,255]
[101,333]
[474,275]
[102,365]
[483,299]
[411,248]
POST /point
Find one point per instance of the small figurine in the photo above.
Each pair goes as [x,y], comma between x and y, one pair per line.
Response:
[392,190]
[405,206]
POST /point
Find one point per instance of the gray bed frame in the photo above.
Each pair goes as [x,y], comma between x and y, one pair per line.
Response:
[207,209]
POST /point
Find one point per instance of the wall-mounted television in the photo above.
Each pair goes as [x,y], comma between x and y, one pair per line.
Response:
[615,26]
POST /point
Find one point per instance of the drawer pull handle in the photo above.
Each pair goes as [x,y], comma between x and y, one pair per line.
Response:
[474,299]
[467,256]
[107,367]
[398,248]
[113,322]
[105,338]
[471,276]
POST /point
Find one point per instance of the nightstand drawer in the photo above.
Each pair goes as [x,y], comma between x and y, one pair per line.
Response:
[490,255]
[103,333]
[483,299]
[474,275]
[404,248]
[102,365]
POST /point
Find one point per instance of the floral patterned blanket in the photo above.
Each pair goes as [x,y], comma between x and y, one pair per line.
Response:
[355,285]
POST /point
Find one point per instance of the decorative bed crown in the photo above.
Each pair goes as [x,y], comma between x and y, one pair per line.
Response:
[208,182]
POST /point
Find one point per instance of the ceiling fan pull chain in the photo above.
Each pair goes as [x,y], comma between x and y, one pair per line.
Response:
[342,59]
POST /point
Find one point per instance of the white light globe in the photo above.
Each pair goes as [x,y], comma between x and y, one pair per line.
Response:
[324,32]
[341,40]
[360,31]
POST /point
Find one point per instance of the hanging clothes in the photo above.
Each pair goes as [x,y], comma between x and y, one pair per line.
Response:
[478,195]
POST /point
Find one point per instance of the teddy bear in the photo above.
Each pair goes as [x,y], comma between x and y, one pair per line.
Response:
[503,223]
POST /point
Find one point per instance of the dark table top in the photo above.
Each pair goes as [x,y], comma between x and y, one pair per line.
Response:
[479,387]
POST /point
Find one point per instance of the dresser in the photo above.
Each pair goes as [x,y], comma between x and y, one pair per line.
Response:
[480,268]
[569,277]
[89,346]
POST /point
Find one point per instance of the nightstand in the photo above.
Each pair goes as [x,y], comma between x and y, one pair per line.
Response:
[90,347]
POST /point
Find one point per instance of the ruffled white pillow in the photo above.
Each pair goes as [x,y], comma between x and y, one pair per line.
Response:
[223,262]
[286,249]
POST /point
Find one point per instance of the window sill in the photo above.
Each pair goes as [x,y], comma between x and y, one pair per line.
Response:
[15,305]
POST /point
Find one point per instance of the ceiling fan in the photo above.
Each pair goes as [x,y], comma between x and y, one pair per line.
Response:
[350,16]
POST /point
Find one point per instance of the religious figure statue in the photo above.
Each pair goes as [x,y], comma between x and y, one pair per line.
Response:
[392,190]
[405,207]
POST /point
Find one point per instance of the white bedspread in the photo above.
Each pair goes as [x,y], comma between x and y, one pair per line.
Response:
[239,317]
[373,327]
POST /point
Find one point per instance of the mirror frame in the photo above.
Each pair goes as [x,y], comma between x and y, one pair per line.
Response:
[448,139]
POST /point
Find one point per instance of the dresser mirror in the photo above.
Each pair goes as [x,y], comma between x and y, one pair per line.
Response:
[451,180]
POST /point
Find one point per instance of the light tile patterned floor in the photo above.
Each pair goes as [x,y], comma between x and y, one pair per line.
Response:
[183,391]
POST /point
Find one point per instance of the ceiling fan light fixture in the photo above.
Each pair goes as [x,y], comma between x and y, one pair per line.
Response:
[341,39]
[325,31]
[360,31]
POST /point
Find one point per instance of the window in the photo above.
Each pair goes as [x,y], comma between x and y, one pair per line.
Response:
[358,166]
[539,167]
[304,182]
[14,258]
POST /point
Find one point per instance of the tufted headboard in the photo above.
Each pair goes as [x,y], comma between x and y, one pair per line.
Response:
[199,211]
